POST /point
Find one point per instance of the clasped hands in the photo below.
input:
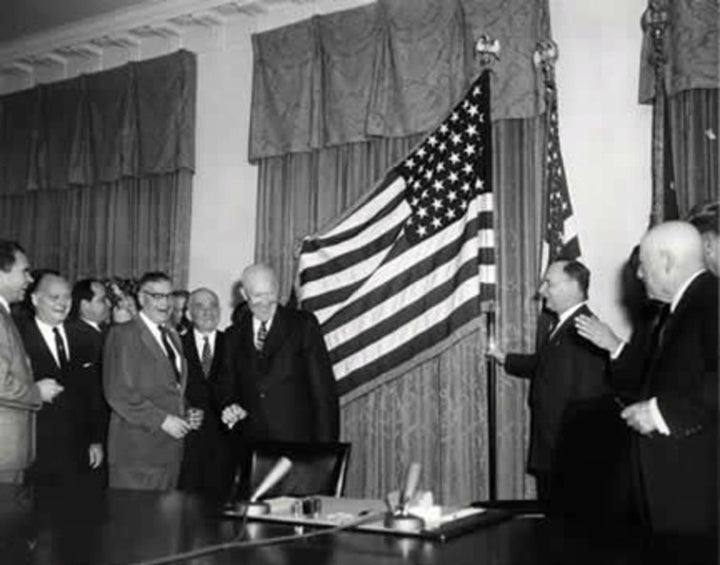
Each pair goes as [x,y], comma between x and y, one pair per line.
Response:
[232,414]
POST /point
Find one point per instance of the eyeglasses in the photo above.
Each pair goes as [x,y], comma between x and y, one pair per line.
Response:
[157,296]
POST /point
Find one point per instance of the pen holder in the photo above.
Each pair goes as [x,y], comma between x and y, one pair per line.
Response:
[403,522]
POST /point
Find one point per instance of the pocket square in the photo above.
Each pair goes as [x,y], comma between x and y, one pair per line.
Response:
[88,364]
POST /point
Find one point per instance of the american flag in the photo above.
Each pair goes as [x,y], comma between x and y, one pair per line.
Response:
[408,268]
[561,239]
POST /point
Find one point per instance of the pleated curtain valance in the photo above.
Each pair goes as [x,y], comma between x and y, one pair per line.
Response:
[692,46]
[333,79]
[132,121]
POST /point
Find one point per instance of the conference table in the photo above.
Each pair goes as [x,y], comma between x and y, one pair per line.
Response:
[122,527]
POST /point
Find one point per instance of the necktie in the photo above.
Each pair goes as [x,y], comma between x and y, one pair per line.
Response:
[60,346]
[660,322]
[206,356]
[169,351]
[261,335]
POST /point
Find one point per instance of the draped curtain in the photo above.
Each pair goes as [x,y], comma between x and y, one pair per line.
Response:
[339,99]
[692,80]
[96,172]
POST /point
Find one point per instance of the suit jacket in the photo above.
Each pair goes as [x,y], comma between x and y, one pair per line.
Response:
[289,388]
[208,456]
[142,389]
[90,343]
[679,471]
[19,399]
[65,426]
[565,369]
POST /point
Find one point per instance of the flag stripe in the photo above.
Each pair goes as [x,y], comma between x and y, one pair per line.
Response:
[365,332]
[407,277]
[388,196]
[419,342]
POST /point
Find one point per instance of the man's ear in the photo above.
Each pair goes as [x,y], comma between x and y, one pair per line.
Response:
[667,261]
[33,299]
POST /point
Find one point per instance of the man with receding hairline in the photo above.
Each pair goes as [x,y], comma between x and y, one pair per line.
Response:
[144,376]
[676,417]
[20,396]
[564,370]
[277,381]
[68,449]
[208,457]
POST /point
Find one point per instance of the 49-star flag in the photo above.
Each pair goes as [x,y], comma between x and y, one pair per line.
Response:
[404,272]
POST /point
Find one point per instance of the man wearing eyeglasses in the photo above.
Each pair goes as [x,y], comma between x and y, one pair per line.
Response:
[144,376]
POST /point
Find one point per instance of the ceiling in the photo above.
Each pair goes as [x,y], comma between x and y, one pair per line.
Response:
[23,17]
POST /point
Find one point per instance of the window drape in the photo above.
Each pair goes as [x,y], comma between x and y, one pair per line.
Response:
[692,80]
[338,100]
[96,172]
[391,69]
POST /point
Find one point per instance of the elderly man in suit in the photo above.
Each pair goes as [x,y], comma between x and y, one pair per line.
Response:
[68,445]
[20,395]
[277,379]
[208,456]
[676,415]
[144,376]
[564,369]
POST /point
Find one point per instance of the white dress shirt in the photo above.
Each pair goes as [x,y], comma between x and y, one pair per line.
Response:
[46,330]
[155,331]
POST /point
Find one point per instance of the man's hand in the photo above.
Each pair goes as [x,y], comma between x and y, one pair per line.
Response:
[194,417]
[597,332]
[232,414]
[496,353]
[639,417]
[95,452]
[175,426]
[49,389]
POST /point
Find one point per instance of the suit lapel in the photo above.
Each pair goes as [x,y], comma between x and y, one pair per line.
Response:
[276,335]
[39,344]
[152,344]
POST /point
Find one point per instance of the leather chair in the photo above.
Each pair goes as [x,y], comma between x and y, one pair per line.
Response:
[318,468]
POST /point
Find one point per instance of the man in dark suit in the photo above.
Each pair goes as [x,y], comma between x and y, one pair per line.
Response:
[89,316]
[144,376]
[564,370]
[67,448]
[676,416]
[20,396]
[277,379]
[208,456]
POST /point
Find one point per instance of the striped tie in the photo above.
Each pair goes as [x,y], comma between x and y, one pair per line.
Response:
[261,335]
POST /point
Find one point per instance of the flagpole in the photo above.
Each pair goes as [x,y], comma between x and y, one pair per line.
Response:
[488,51]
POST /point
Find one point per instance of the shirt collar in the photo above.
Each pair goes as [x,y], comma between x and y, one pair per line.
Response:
[679,294]
[4,303]
[48,327]
[562,318]
[92,324]
[256,324]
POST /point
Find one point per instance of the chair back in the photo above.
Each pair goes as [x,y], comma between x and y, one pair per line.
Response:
[318,468]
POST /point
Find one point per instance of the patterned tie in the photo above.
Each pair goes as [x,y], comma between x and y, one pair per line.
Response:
[61,351]
[261,335]
[206,356]
[169,351]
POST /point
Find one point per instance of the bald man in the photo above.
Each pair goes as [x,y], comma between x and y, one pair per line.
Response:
[277,380]
[675,421]
[208,455]
[69,448]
